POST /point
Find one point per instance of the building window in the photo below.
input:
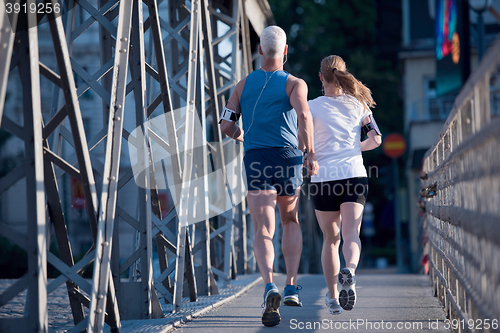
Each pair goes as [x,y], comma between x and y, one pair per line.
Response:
[431,107]
[438,108]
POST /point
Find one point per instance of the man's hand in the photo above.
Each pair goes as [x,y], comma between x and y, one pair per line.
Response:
[312,164]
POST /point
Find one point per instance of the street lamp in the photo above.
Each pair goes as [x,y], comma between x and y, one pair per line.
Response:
[480,6]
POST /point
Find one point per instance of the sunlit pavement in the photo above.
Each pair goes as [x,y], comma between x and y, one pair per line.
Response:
[386,303]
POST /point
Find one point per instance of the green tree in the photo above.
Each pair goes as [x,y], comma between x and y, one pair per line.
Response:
[316,29]
[362,33]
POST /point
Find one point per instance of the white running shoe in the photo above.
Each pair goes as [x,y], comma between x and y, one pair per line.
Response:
[347,295]
[333,304]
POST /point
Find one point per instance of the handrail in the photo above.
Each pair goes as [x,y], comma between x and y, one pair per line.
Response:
[470,89]
[461,203]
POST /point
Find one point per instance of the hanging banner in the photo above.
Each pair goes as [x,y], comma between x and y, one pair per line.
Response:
[452,46]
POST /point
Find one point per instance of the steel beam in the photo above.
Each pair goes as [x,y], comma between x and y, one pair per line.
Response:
[36,302]
[6,44]
[188,153]
[102,268]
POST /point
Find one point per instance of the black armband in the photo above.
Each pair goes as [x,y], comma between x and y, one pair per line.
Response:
[367,128]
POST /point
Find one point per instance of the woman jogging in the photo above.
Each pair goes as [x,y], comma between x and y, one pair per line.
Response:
[340,187]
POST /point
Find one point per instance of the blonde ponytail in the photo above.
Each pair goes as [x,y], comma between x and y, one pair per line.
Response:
[334,71]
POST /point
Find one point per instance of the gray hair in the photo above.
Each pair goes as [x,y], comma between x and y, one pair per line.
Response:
[273,41]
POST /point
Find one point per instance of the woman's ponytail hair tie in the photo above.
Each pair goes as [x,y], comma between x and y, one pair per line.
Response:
[334,69]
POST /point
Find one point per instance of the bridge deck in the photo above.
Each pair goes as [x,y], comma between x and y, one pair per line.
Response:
[391,298]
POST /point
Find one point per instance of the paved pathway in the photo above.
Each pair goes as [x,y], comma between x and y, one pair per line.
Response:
[386,303]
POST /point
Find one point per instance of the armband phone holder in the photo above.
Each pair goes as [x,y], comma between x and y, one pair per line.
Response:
[229,115]
[372,125]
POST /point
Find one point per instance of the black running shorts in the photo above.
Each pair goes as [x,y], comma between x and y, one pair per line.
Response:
[328,196]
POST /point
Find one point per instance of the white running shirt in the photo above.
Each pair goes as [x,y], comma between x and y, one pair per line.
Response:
[337,134]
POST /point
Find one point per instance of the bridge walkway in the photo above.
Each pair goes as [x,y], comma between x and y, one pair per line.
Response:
[386,303]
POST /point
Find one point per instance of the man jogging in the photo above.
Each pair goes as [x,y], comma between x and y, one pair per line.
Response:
[276,115]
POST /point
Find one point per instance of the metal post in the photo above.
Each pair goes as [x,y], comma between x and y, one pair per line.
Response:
[138,71]
[218,152]
[188,154]
[204,281]
[106,54]
[72,109]
[35,193]
[164,238]
[6,43]
[246,69]
[102,269]
[397,222]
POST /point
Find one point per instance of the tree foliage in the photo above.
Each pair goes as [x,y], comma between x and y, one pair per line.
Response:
[366,34]
[316,29]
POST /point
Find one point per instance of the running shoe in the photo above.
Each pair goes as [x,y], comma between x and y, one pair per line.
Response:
[333,304]
[272,301]
[347,295]
[291,296]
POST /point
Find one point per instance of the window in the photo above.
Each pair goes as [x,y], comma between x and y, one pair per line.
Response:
[437,108]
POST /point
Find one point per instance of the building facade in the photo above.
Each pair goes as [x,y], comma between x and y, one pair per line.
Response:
[425,112]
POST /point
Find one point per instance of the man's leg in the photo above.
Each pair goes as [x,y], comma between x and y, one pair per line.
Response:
[291,241]
[262,204]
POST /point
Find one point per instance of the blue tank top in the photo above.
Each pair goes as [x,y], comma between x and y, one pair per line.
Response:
[269,121]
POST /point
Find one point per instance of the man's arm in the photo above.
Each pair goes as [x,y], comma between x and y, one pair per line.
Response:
[301,142]
[231,128]
[298,100]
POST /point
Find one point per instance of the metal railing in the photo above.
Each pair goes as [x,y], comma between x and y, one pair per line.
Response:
[461,200]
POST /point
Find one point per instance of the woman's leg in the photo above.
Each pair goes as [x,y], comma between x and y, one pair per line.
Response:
[329,223]
[352,213]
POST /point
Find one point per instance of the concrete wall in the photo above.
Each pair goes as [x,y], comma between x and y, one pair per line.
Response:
[418,66]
